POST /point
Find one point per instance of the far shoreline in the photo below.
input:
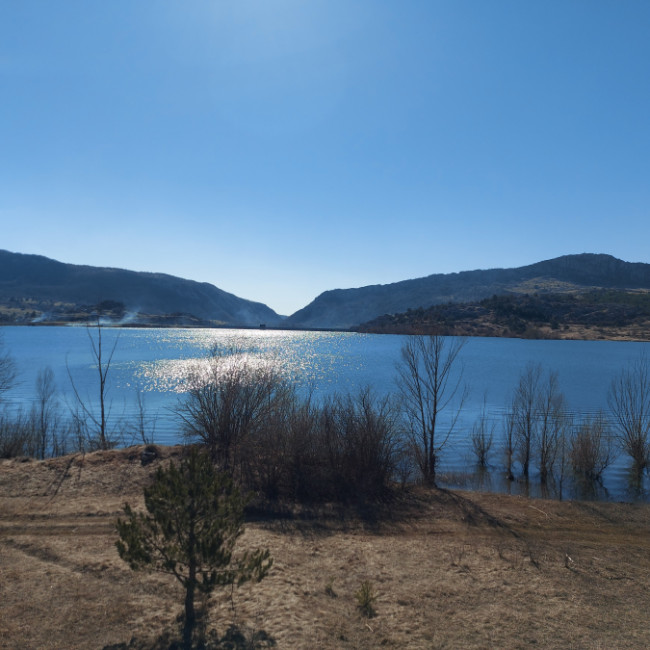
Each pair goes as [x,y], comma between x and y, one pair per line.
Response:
[574,333]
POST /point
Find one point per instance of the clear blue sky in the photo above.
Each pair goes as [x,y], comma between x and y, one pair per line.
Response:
[280,148]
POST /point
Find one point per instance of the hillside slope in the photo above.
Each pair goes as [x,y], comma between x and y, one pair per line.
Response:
[592,315]
[36,287]
[344,308]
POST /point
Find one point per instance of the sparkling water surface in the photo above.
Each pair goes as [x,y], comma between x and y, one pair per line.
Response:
[154,363]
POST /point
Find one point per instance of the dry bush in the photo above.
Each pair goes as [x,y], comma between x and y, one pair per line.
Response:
[228,400]
[482,436]
[17,436]
[629,401]
[359,441]
[591,448]
[342,450]
[281,444]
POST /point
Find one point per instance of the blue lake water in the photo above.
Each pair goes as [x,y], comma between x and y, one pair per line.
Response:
[155,361]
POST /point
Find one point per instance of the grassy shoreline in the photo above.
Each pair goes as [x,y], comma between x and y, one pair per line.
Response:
[450,568]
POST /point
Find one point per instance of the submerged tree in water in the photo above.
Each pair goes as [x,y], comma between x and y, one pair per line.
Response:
[629,402]
[429,386]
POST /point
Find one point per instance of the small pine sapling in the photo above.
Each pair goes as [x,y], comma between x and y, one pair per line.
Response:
[194,517]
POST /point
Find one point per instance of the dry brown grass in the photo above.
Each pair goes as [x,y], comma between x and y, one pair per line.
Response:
[450,569]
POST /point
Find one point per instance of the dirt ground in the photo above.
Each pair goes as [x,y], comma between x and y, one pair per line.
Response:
[449,569]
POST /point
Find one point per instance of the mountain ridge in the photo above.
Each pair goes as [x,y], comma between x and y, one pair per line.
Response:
[38,284]
[347,308]
[35,288]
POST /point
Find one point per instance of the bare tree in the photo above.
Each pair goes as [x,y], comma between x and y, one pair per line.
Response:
[551,425]
[13,436]
[563,454]
[7,371]
[78,429]
[429,386]
[144,426]
[629,402]
[44,412]
[523,412]
[510,442]
[482,437]
[97,423]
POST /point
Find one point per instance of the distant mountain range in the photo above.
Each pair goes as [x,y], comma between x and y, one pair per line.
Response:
[36,288]
[345,308]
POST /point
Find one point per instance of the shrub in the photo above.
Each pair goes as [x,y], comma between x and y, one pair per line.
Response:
[17,436]
[194,518]
[228,400]
[359,441]
[482,436]
[257,427]
[591,448]
[366,598]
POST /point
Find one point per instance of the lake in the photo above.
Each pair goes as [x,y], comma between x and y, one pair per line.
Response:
[154,362]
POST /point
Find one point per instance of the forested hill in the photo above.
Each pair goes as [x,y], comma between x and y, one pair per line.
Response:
[35,288]
[345,308]
[603,314]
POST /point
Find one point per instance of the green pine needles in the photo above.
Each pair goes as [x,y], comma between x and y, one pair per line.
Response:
[194,517]
[366,598]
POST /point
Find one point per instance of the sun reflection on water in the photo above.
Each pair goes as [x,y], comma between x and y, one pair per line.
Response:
[305,358]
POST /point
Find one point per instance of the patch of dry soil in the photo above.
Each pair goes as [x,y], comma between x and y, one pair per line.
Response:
[449,569]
